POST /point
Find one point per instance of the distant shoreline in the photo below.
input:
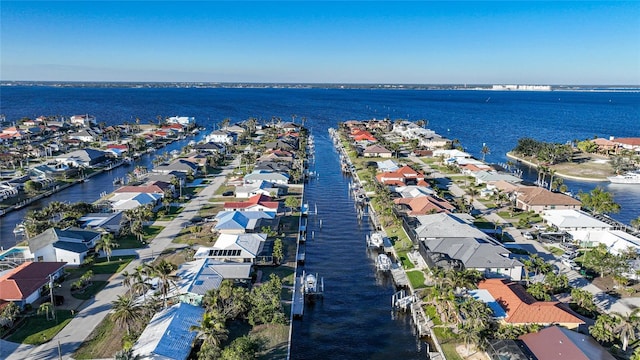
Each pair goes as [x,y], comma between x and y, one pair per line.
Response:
[337,86]
[571,177]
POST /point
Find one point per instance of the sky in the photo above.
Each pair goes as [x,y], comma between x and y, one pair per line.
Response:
[553,43]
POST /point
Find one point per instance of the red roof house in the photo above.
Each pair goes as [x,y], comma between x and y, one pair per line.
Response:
[424,205]
[522,308]
[406,175]
[24,283]
[258,202]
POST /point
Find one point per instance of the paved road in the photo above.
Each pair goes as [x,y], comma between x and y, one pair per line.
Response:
[93,311]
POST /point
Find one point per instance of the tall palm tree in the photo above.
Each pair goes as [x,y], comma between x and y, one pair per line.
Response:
[125,312]
[163,271]
[106,244]
[627,327]
[485,151]
[46,308]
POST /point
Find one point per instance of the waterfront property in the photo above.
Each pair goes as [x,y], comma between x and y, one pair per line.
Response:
[242,248]
[522,309]
[556,341]
[258,202]
[534,198]
[197,277]
[69,245]
[240,222]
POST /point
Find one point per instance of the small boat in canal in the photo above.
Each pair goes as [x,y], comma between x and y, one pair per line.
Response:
[383,263]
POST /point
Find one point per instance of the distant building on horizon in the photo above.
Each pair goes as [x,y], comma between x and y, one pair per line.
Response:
[521,87]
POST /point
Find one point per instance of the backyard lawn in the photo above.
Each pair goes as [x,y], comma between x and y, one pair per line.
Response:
[37,329]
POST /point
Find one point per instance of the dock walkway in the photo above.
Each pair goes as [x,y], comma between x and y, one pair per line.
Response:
[297,307]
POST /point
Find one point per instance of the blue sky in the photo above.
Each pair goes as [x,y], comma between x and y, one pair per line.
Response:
[569,42]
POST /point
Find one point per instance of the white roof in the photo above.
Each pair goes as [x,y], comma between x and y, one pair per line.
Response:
[126,201]
[412,191]
[168,336]
[451,153]
[202,275]
[387,166]
[250,244]
[616,241]
[569,218]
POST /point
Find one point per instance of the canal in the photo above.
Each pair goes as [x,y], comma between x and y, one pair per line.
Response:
[354,320]
[88,191]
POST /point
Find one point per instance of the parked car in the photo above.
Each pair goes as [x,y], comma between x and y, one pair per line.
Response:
[227,193]
[569,255]
[58,299]
[527,235]
[571,264]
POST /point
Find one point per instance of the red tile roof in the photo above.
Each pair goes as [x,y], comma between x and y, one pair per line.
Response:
[534,195]
[25,279]
[258,199]
[522,308]
[628,141]
[423,205]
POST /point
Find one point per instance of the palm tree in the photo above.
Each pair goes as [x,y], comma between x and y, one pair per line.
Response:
[46,308]
[10,313]
[485,151]
[604,328]
[125,312]
[636,223]
[106,244]
[163,271]
[626,328]
[212,329]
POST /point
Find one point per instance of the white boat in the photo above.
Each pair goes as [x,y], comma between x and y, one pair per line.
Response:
[631,177]
[310,284]
[19,229]
[376,240]
[383,263]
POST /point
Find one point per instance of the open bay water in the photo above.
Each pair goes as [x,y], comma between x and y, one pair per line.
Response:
[354,321]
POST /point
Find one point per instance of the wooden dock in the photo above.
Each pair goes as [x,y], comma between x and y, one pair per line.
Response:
[297,306]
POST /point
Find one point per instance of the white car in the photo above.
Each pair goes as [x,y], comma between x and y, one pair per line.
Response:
[571,264]
[527,235]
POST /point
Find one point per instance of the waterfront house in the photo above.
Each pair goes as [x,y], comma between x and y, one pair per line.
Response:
[241,248]
[606,146]
[534,198]
[258,202]
[406,175]
[70,245]
[131,200]
[222,137]
[240,222]
[181,165]
[453,154]
[273,166]
[632,144]
[150,187]
[377,151]
[83,120]
[556,342]
[286,143]
[235,128]
[210,147]
[168,336]
[387,166]
[104,222]
[359,135]
[522,309]
[261,187]
[573,220]
[26,283]
[197,277]
[617,242]
[424,205]
[492,177]
[264,175]
[82,158]
[411,191]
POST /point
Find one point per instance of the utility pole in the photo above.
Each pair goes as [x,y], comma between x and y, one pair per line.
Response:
[53,304]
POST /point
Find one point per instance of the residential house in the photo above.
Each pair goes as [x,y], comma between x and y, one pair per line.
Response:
[210,147]
[82,158]
[491,177]
[534,198]
[150,187]
[181,165]
[377,151]
[402,177]
[242,248]
[131,200]
[412,191]
[387,166]
[168,336]
[104,222]
[85,135]
[263,175]
[261,187]
[632,144]
[287,144]
[25,284]
[222,137]
[556,342]
[70,245]
[258,202]
[573,220]
[453,154]
[273,166]
[235,129]
[83,120]
[197,277]
[240,222]
[522,309]
[424,205]
[359,135]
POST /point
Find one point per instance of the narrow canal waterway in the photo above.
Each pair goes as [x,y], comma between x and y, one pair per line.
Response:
[354,320]
[88,191]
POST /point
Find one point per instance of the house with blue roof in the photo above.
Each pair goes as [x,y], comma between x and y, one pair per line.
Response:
[240,222]
[167,337]
[201,275]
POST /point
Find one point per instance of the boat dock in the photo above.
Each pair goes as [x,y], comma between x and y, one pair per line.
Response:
[399,276]
[297,306]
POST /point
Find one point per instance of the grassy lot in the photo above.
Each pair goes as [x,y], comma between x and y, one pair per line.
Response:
[284,272]
[171,214]
[416,277]
[449,350]
[129,241]
[277,337]
[222,189]
[117,264]
[196,235]
[90,291]
[210,210]
[102,343]
[404,259]
[36,329]
[555,250]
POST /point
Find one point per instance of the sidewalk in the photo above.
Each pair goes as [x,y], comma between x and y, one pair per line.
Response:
[93,311]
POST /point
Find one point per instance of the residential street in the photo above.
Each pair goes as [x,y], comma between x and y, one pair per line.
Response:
[93,311]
